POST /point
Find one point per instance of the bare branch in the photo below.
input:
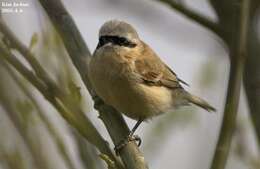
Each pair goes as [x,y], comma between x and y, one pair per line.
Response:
[80,57]
[234,87]
[7,105]
[15,43]
[76,118]
[194,16]
[54,133]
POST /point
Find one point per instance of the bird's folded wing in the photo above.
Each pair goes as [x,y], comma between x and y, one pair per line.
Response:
[180,80]
[152,71]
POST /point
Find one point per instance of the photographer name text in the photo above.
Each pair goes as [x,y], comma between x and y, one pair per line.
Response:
[13,7]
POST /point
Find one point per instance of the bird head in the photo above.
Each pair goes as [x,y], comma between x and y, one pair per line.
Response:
[118,34]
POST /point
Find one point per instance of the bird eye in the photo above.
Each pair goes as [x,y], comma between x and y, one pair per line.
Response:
[124,41]
[116,40]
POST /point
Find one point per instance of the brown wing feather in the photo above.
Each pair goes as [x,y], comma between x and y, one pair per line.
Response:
[180,80]
[153,71]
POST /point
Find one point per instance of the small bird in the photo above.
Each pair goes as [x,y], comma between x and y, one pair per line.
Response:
[129,76]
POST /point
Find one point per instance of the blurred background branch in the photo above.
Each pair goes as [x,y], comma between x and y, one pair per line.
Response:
[20,126]
[54,95]
[239,52]
[55,135]
[252,68]
[240,42]
[194,16]
[225,11]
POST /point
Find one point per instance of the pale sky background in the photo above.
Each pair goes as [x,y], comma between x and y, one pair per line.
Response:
[185,46]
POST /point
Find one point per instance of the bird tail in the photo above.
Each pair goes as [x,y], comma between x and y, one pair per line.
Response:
[200,102]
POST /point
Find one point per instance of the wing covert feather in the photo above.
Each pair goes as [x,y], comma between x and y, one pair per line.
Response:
[154,72]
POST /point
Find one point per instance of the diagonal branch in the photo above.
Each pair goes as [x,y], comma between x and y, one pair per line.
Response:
[53,93]
[75,119]
[80,56]
[55,135]
[14,42]
[194,16]
[5,103]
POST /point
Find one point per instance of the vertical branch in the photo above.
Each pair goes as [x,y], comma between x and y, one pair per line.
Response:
[252,69]
[236,73]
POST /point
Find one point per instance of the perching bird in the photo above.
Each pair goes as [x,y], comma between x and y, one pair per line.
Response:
[129,76]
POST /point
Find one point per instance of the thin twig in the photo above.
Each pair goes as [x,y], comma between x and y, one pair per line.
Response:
[234,87]
[29,75]
[17,44]
[194,16]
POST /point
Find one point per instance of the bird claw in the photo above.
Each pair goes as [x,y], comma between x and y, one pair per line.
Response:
[97,102]
[137,139]
[125,141]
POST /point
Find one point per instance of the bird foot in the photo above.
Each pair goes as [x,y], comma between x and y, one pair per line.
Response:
[125,141]
[97,102]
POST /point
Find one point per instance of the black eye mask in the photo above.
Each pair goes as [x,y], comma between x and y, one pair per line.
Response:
[116,40]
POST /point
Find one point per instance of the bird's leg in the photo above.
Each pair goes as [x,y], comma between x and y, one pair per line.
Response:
[130,137]
[133,137]
[97,101]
